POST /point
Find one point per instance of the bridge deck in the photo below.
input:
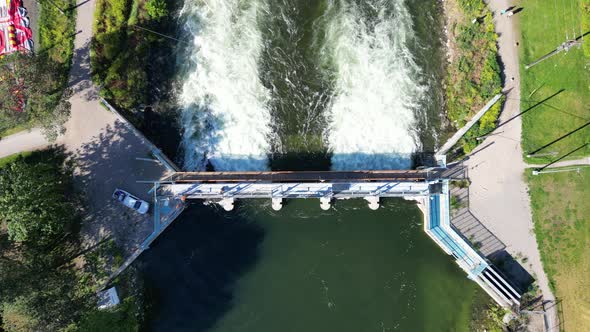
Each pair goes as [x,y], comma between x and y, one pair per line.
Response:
[305,176]
[297,190]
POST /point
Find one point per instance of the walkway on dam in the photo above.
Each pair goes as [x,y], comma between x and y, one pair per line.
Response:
[306,176]
[437,224]
[432,194]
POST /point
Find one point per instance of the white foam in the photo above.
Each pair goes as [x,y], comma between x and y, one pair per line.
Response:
[376,93]
[225,117]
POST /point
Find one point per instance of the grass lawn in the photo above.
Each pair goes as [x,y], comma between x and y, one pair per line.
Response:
[544,28]
[561,214]
[12,157]
[14,130]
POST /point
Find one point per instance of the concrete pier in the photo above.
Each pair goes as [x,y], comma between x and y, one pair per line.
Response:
[277,203]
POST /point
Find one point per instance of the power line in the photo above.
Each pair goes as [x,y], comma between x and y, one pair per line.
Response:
[556,14]
[160,34]
[565,21]
[559,139]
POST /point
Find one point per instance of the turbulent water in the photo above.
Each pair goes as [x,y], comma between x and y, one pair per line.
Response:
[274,78]
[376,94]
[226,118]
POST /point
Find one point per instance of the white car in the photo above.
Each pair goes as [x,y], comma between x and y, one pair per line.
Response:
[131,201]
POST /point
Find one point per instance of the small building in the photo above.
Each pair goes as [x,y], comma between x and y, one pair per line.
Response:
[108,299]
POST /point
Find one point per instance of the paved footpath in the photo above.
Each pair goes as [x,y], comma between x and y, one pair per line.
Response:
[27,140]
[105,150]
[565,163]
[499,194]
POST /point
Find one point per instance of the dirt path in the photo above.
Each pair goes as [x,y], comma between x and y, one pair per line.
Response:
[106,152]
[28,140]
[498,194]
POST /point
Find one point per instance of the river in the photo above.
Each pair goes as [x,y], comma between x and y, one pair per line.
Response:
[298,85]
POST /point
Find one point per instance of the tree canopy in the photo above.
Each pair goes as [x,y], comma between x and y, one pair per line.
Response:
[156,9]
[33,201]
[31,91]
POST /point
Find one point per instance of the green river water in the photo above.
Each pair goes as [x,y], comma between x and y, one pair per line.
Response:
[303,269]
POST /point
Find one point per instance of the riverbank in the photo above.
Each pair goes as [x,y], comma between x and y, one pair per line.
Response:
[473,72]
[498,192]
[133,61]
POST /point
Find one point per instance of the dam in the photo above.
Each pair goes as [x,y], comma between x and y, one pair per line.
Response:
[428,187]
[344,85]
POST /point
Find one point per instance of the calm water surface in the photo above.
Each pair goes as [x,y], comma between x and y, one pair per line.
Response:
[303,269]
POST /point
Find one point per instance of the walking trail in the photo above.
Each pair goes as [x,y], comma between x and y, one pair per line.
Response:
[498,193]
[105,149]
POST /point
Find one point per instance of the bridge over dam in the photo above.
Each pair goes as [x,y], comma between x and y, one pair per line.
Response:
[225,187]
[428,187]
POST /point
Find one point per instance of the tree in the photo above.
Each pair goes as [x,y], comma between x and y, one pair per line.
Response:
[31,90]
[18,316]
[156,9]
[37,281]
[33,201]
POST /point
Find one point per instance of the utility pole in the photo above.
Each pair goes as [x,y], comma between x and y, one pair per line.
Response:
[540,170]
[558,170]
[565,46]
[552,154]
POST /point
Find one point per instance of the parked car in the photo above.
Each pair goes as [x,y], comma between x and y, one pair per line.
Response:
[131,201]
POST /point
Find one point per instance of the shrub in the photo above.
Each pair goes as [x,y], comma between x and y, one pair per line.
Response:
[18,316]
[474,75]
[33,201]
[156,9]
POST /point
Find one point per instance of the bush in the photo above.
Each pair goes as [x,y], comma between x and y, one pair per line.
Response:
[156,9]
[18,316]
[474,75]
[33,203]
[120,55]
[43,77]
[123,318]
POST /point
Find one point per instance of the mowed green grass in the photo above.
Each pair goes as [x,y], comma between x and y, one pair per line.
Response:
[561,214]
[544,24]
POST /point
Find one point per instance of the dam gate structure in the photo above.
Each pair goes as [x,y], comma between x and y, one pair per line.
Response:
[428,187]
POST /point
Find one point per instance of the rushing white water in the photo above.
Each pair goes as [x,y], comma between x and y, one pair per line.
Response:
[225,115]
[376,92]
